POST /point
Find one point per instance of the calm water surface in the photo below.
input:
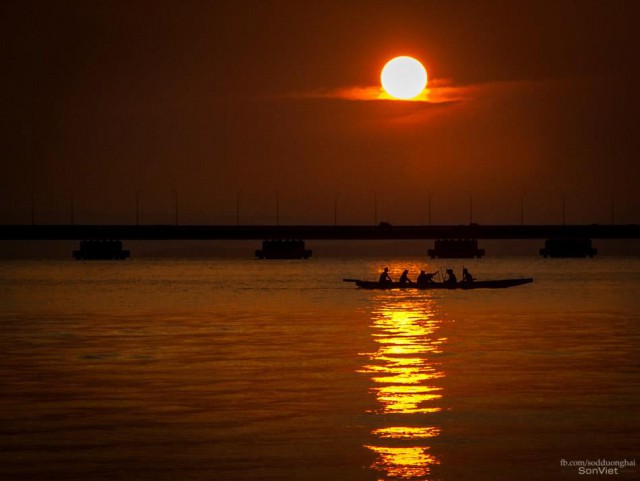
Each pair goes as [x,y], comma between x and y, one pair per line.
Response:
[255,370]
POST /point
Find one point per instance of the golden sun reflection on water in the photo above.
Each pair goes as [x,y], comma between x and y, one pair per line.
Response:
[404,463]
[405,432]
[404,374]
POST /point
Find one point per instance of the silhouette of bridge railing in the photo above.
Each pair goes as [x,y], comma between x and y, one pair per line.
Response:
[343,232]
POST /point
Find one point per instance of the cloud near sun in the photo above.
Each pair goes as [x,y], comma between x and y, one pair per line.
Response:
[442,92]
[439,91]
[402,78]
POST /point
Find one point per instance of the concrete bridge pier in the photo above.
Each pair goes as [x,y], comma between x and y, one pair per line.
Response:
[283,249]
[456,249]
[568,247]
[101,249]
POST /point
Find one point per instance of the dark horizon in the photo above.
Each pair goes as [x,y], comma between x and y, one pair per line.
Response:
[382,231]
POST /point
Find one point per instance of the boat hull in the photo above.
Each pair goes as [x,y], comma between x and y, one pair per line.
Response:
[494,284]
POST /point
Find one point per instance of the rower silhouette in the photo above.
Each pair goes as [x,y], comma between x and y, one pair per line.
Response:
[404,278]
[451,277]
[466,276]
[425,278]
[384,276]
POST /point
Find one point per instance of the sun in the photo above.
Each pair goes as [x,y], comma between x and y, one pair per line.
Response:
[403,78]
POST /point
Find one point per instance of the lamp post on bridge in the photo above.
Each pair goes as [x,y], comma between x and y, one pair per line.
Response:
[138,207]
[335,208]
[613,200]
[277,208]
[375,207]
[71,205]
[470,206]
[238,207]
[175,198]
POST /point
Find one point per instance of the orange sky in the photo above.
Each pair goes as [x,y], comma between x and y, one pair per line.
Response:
[530,100]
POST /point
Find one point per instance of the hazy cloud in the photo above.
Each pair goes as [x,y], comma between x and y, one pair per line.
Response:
[439,91]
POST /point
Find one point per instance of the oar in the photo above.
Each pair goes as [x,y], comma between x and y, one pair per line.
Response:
[350,280]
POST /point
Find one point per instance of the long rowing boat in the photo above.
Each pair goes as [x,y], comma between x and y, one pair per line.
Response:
[495,284]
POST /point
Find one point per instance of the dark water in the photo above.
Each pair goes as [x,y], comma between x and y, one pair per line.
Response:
[249,370]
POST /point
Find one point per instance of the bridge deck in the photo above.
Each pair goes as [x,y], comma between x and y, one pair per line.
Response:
[307,232]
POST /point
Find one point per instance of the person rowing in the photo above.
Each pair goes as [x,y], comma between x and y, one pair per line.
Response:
[384,276]
[425,278]
[466,276]
[451,277]
[404,278]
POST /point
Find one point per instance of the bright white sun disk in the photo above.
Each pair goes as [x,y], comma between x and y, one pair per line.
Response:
[403,77]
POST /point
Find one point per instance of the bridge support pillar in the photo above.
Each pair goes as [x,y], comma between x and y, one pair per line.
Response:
[283,249]
[568,247]
[101,249]
[456,249]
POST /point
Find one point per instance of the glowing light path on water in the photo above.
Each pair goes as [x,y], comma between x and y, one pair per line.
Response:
[404,378]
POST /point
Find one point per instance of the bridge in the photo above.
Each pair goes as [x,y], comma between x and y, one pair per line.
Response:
[279,241]
[310,232]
